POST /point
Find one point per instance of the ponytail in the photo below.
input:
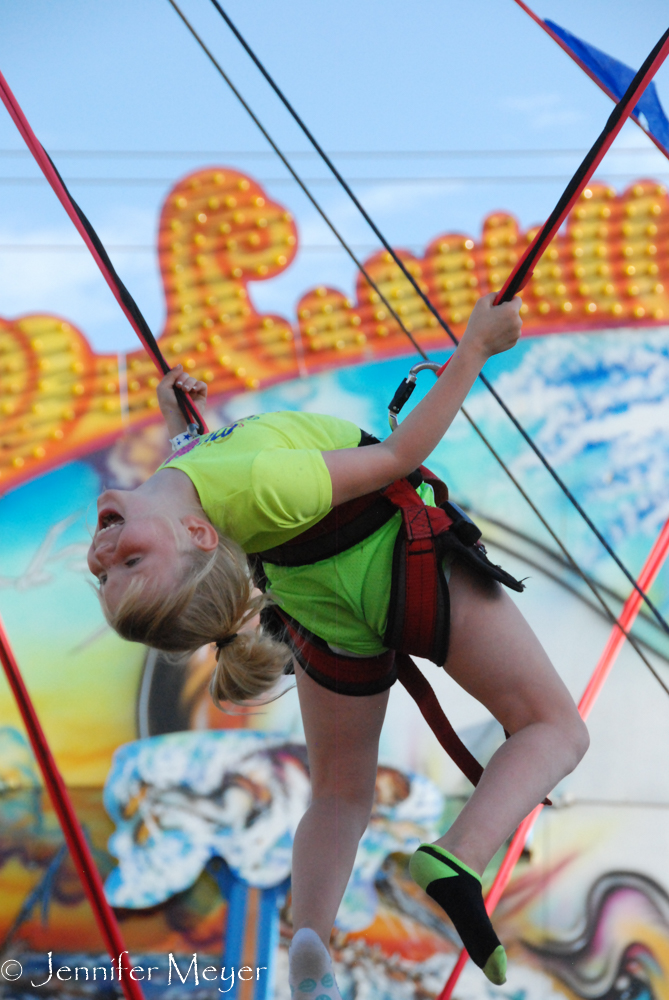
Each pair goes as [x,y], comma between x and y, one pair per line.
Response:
[247,667]
[212,601]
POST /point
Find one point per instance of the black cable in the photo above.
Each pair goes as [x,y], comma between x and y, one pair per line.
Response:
[287,164]
[607,610]
[586,579]
[435,312]
[547,231]
[150,343]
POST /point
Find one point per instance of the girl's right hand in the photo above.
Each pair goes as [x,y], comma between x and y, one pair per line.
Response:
[167,400]
[493,329]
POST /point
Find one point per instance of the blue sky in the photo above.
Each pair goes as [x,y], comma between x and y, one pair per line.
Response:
[373,80]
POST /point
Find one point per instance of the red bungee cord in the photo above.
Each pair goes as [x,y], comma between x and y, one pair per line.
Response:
[96,247]
[517,280]
[72,831]
[522,272]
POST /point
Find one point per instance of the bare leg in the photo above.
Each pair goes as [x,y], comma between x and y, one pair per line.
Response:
[342,735]
[495,656]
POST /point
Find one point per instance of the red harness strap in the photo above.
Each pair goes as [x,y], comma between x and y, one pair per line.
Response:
[421,691]
[419,607]
[418,611]
[343,674]
[418,616]
[351,675]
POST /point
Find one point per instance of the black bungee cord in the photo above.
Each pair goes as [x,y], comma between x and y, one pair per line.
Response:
[609,614]
[435,312]
[296,177]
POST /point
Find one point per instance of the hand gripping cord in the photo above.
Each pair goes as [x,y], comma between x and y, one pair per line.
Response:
[516,280]
[619,631]
[522,272]
[72,831]
[100,255]
[497,457]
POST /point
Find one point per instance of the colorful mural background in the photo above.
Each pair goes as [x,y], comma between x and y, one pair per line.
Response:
[586,914]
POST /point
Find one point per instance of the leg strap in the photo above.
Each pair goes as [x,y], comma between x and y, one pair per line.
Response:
[367,675]
[421,691]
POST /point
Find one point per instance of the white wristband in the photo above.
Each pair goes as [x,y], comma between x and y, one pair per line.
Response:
[180,440]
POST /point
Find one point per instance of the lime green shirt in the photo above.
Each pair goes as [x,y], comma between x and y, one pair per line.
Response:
[262,481]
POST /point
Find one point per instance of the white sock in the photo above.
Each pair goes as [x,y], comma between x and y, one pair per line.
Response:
[310,969]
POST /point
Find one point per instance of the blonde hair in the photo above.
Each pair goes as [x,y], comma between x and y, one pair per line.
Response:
[211,602]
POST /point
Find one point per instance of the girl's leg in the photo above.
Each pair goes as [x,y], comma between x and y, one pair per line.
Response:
[342,734]
[495,656]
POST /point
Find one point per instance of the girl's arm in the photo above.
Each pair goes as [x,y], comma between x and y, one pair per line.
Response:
[168,401]
[356,471]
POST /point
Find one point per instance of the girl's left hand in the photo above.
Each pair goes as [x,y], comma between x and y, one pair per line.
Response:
[196,390]
[493,329]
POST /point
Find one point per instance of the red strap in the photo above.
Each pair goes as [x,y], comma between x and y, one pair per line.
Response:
[74,835]
[336,666]
[351,670]
[92,241]
[420,521]
[421,691]
[421,525]
[522,272]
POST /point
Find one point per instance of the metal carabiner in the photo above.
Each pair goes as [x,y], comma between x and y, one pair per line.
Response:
[405,389]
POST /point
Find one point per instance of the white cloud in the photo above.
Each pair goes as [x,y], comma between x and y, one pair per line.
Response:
[394,198]
[68,283]
[542,111]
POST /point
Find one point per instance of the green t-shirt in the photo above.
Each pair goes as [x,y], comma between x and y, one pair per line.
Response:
[261,482]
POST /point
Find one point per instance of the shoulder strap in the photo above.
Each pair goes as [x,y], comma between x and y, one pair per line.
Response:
[418,611]
[350,523]
[341,529]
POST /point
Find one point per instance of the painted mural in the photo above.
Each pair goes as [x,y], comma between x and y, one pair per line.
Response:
[191,811]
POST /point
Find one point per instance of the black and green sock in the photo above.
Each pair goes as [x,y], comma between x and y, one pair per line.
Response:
[457,889]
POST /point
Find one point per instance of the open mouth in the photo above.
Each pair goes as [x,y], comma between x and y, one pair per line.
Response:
[108,519]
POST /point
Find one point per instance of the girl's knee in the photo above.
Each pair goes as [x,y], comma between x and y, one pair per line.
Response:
[566,734]
[352,808]
[579,739]
[573,738]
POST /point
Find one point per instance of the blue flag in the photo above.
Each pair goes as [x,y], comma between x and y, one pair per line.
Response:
[616,77]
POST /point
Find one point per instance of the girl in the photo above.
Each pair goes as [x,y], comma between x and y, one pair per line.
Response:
[171,560]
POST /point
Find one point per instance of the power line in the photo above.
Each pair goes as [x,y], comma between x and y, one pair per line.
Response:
[393,313]
[311,154]
[656,53]
[332,182]
[150,248]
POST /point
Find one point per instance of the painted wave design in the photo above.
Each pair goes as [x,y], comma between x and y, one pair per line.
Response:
[596,404]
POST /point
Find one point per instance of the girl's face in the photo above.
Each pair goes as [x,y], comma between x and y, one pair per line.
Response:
[135,537]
